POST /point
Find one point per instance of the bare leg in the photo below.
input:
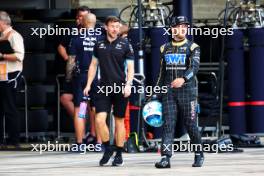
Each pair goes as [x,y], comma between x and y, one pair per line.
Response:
[102,127]
[120,131]
[79,125]
[66,101]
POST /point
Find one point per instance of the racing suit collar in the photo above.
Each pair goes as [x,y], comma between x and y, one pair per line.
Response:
[174,43]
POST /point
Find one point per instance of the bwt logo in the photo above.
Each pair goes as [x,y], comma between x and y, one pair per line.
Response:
[178,59]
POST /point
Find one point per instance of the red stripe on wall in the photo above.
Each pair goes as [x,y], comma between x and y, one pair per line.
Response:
[244,103]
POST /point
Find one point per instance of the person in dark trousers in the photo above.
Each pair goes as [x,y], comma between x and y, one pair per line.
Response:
[180,61]
[124,29]
[115,57]
[11,64]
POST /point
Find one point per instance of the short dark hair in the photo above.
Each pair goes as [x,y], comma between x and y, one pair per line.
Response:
[83,8]
[111,19]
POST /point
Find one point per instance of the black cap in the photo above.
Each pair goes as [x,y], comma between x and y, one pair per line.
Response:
[179,20]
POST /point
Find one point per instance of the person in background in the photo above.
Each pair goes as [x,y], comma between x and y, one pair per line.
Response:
[124,29]
[81,51]
[66,98]
[12,53]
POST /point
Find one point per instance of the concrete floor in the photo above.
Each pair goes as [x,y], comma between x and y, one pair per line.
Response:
[250,162]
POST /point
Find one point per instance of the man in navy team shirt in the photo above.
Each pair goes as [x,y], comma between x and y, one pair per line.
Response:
[81,50]
[66,98]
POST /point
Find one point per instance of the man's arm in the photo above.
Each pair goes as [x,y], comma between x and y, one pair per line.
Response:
[130,77]
[91,75]
[92,71]
[17,44]
[162,68]
[194,63]
[130,71]
[9,57]
[130,63]
[192,68]
[63,52]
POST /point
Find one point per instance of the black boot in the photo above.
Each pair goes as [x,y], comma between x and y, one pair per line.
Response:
[118,160]
[198,160]
[107,157]
[164,163]
[90,139]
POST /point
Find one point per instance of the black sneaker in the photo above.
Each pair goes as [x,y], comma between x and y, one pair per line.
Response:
[118,161]
[164,163]
[198,160]
[107,157]
[90,139]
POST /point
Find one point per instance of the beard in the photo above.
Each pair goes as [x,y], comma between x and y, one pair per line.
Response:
[112,35]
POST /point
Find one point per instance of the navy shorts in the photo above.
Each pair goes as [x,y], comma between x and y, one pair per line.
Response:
[78,84]
[66,88]
[117,101]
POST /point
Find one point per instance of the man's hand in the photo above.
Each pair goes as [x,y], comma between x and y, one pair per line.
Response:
[177,83]
[127,91]
[86,90]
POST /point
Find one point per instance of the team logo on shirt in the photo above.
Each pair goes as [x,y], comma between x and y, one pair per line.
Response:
[178,59]
[183,49]
[88,48]
[118,46]
[88,43]
[102,46]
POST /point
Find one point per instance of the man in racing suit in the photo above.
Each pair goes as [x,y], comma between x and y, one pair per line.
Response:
[179,64]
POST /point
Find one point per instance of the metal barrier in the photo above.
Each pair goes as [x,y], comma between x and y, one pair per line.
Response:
[26,106]
[59,133]
[58,104]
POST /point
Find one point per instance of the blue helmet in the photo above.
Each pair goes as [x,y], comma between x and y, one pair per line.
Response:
[152,113]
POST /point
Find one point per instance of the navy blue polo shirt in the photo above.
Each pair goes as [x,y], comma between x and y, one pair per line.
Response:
[112,58]
[82,46]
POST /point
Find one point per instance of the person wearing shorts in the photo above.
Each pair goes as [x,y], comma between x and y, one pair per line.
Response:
[81,51]
[115,57]
[66,98]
